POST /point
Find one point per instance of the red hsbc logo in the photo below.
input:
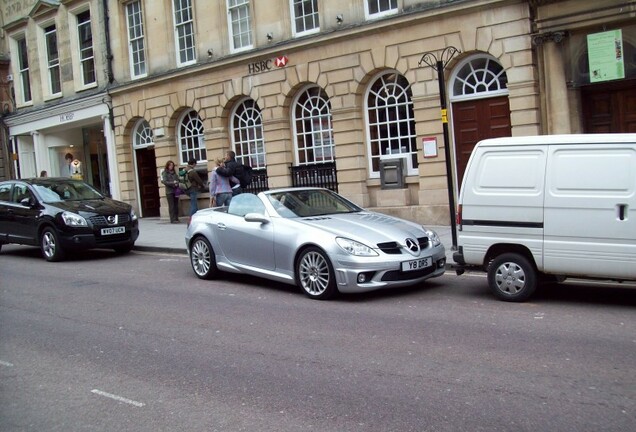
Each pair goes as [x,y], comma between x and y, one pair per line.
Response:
[281,61]
[266,65]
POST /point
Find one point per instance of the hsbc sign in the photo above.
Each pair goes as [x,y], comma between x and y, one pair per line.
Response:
[267,65]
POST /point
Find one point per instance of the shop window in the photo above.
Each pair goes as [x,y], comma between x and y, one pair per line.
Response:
[190,136]
[184,31]
[391,122]
[305,16]
[240,24]
[247,134]
[136,40]
[312,127]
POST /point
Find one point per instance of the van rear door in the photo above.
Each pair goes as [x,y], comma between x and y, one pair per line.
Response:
[590,210]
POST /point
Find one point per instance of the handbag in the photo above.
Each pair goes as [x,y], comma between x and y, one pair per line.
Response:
[177,191]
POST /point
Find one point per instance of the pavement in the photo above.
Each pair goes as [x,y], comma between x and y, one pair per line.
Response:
[159,235]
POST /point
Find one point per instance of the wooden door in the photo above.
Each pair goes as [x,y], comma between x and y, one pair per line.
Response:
[610,107]
[476,120]
[148,182]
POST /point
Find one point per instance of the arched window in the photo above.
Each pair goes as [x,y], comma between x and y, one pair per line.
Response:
[312,127]
[479,77]
[247,134]
[190,137]
[142,135]
[391,123]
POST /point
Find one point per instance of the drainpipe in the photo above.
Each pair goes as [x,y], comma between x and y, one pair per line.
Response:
[109,62]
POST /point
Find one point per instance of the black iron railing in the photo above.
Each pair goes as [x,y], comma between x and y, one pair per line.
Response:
[260,181]
[315,175]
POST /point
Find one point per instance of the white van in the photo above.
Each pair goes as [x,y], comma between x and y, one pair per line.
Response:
[547,208]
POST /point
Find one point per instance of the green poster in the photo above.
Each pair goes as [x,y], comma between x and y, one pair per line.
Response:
[605,55]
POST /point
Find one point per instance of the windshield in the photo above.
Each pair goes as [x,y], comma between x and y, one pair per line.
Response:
[66,190]
[303,203]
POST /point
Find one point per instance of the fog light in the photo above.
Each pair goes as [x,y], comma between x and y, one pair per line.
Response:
[362,278]
[441,263]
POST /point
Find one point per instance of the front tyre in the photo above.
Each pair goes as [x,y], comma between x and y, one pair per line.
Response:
[50,245]
[512,277]
[315,274]
[202,258]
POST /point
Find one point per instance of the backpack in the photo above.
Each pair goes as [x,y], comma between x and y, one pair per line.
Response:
[184,180]
[244,174]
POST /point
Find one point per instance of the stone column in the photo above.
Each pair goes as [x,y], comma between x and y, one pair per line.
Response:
[556,92]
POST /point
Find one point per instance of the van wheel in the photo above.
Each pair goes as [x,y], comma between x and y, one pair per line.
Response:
[512,277]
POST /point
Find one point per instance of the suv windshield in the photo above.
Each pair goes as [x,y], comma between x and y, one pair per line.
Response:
[66,190]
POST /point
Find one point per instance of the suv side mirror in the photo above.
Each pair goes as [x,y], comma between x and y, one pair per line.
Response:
[27,202]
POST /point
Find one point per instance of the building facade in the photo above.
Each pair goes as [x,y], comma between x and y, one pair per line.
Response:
[300,83]
[293,86]
[60,71]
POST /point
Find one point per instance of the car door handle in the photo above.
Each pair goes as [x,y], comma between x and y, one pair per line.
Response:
[622,211]
[221,226]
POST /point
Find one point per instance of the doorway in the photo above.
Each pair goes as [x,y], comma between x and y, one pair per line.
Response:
[476,120]
[147,180]
[609,107]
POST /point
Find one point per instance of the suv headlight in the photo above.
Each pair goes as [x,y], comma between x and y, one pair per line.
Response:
[73,219]
[433,237]
[355,248]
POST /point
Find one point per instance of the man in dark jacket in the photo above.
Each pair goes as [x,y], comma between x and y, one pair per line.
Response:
[229,169]
[196,185]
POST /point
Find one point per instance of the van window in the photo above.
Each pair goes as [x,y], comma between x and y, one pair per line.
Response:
[606,172]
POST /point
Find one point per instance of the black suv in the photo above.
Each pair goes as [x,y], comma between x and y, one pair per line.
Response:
[62,214]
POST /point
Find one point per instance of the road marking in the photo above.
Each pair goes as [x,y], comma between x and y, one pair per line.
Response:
[7,364]
[118,398]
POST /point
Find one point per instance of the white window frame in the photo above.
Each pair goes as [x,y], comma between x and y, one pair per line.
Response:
[315,134]
[235,7]
[479,76]
[142,135]
[247,134]
[396,130]
[24,89]
[381,13]
[183,20]
[51,66]
[190,137]
[136,40]
[86,55]
[313,4]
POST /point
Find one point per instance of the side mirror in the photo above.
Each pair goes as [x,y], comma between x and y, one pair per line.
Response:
[27,202]
[256,217]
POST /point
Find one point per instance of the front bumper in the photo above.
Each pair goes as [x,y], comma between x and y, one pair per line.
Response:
[93,240]
[387,274]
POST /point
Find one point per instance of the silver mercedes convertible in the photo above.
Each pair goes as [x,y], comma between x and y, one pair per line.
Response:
[312,238]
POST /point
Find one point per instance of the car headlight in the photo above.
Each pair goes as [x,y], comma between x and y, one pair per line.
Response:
[73,219]
[355,248]
[433,237]
[133,215]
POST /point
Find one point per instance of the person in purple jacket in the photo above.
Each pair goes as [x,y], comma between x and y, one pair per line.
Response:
[220,187]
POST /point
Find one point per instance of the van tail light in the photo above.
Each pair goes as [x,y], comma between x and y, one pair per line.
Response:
[458,217]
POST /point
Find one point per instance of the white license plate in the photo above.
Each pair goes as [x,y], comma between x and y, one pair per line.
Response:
[417,264]
[113,230]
